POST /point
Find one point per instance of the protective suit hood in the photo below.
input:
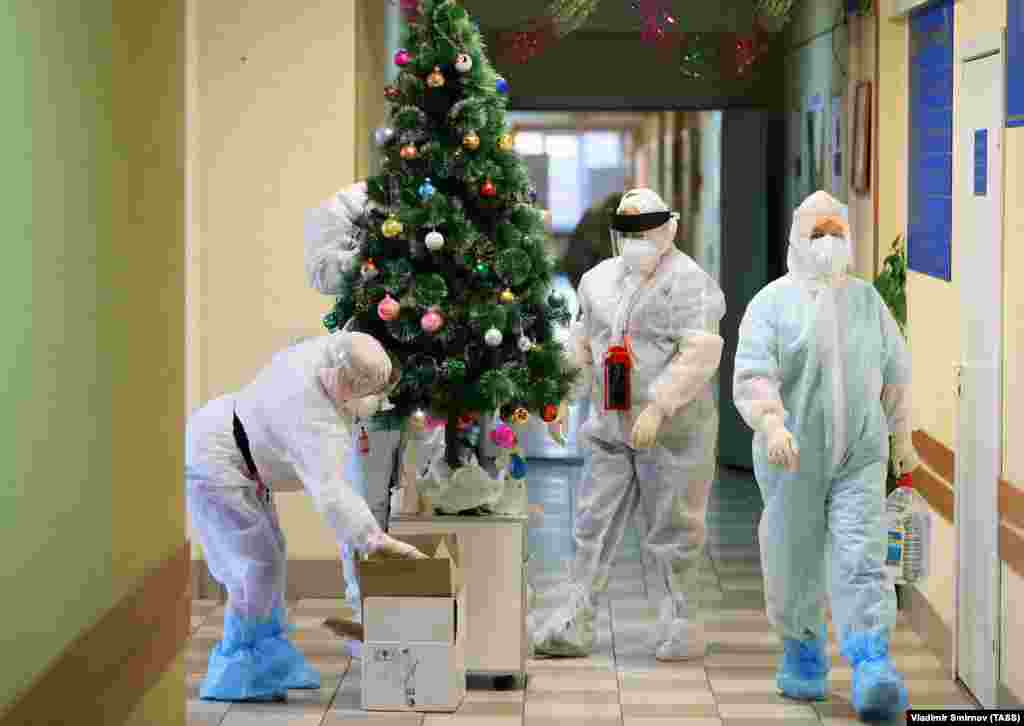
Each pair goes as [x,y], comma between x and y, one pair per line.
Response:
[820,241]
[643,229]
[357,367]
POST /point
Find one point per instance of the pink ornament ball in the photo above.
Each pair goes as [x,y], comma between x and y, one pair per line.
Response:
[402,58]
[388,309]
[504,437]
[432,322]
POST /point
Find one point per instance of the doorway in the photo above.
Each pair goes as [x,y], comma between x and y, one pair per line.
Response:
[980,108]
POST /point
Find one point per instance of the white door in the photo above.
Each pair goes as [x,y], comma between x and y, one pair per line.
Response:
[979,263]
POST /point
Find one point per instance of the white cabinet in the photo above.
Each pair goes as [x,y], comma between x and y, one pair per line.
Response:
[494,553]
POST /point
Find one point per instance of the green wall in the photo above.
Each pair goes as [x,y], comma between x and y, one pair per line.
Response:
[811,67]
[55,505]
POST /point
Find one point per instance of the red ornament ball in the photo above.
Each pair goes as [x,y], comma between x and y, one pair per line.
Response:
[391,93]
[550,413]
[488,189]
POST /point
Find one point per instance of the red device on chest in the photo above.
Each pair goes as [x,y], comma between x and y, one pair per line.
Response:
[617,369]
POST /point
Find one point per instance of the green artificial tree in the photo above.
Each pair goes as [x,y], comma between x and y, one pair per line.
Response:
[453,276]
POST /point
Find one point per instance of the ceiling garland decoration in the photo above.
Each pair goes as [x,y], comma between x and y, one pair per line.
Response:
[702,55]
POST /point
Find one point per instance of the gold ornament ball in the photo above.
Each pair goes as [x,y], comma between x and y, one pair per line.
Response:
[409,152]
[471,141]
[391,227]
[508,296]
[521,416]
[507,142]
[436,78]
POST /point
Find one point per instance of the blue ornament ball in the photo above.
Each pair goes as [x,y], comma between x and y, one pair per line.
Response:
[502,86]
[427,190]
[518,468]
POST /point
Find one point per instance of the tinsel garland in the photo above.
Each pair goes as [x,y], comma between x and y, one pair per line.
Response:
[705,56]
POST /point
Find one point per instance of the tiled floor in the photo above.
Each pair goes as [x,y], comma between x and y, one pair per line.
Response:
[621,683]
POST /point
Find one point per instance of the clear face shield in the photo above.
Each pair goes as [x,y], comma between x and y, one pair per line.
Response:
[637,227]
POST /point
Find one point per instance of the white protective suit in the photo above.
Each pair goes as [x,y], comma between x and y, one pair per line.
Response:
[293,422]
[823,377]
[333,237]
[657,459]
[295,430]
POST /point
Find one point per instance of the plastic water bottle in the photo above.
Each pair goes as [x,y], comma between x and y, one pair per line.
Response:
[909,526]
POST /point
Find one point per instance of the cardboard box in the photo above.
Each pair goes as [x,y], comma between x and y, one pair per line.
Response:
[438,576]
[414,629]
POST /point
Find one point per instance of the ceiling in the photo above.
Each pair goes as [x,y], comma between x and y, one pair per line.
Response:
[618,16]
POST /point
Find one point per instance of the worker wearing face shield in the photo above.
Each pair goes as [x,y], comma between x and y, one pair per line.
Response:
[646,339]
[823,376]
[293,421]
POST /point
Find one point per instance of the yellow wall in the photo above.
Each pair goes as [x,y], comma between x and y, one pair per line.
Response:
[934,304]
[284,106]
[93,294]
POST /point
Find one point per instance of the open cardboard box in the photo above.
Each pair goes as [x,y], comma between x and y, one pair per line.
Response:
[383,576]
[437,576]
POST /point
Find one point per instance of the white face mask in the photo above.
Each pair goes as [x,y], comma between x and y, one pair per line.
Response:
[364,407]
[830,255]
[640,254]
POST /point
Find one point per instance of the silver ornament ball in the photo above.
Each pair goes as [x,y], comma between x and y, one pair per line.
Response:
[434,241]
[463,64]
[384,135]
[493,337]
[525,344]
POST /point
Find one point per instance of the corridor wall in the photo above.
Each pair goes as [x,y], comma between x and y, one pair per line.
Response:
[285,104]
[94,564]
[828,54]
[935,346]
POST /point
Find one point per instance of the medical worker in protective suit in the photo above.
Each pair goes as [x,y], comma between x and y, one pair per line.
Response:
[647,341]
[293,422]
[823,377]
[334,232]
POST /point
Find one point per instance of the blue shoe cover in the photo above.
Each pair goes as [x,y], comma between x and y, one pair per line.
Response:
[301,675]
[246,665]
[878,690]
[803,672]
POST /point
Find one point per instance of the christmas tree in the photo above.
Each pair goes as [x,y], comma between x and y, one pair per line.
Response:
[453,277]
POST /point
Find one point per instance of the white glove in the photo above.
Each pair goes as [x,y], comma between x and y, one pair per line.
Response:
[903,455]
[645,430]
[556,429]
[782,447]
[391,547]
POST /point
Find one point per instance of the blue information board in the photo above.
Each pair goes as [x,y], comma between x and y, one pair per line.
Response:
[930,223]
[1015,62]
[981,162]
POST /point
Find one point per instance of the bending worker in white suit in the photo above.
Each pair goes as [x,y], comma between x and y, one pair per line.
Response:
[646,339]
[823,378]
[292,422]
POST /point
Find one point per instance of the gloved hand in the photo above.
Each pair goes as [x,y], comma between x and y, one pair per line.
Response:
[782,447]
[903,455]
[391,547]
[645,430]
[556,428]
